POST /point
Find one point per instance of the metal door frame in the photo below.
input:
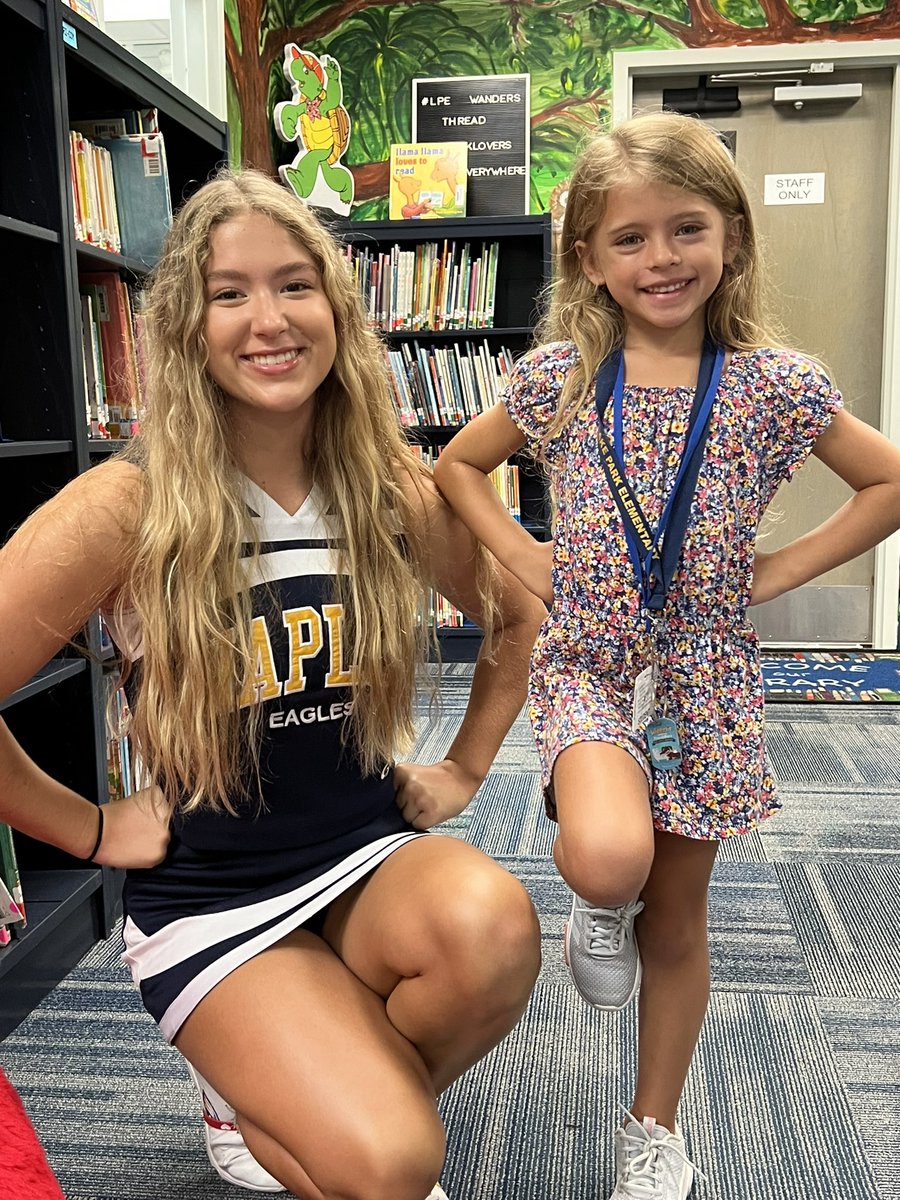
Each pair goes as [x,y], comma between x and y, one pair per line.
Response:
[629,65]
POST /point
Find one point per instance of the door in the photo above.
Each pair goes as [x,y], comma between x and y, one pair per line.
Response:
[826,264]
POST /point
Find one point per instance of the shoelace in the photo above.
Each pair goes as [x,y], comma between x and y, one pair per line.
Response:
[607,927]
[641,1177]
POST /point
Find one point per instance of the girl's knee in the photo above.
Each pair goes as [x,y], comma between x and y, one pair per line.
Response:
[606,876]
[389,1159]
[491,936]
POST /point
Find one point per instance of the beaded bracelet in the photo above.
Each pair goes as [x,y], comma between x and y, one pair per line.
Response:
[90,857]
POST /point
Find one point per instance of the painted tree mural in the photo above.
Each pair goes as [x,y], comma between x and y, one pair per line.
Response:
[565,46]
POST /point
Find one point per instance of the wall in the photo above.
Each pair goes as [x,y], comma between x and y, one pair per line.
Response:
[567,49]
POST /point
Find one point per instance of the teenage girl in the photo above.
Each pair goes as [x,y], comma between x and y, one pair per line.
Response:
[264,561]
[666,415]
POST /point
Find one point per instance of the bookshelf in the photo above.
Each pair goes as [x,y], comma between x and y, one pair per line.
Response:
[522,271]
[58,65]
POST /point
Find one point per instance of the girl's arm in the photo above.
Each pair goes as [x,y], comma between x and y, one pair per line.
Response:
[461,474]
[429,794]
[54,572]
[870,464]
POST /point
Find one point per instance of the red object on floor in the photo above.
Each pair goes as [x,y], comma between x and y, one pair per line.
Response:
[24,1171]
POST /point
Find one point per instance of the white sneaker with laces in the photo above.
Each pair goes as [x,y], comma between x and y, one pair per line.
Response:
[226,1148]
[602,953]
[651,1162]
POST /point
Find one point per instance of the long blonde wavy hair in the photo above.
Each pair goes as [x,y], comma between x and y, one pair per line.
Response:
[666,148]
[187,584]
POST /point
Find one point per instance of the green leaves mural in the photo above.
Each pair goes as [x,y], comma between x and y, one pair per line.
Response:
[565,47]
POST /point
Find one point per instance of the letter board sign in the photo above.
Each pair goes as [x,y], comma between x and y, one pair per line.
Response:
[490,113]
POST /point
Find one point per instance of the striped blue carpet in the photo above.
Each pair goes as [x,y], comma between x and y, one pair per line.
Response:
[795,1092]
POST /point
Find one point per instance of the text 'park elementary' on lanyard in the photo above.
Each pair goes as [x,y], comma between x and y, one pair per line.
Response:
[655,555]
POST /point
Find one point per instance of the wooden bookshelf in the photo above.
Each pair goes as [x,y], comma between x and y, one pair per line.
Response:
[59,715]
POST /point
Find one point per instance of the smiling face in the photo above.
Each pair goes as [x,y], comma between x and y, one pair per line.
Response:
[660,252]
[269,324]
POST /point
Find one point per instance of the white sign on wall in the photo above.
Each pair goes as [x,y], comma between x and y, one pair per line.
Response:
[805,188]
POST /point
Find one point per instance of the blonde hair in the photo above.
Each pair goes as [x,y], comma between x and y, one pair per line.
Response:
[188,584]
[664,148]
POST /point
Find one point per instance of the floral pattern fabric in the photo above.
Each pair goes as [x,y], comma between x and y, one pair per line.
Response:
[770,408]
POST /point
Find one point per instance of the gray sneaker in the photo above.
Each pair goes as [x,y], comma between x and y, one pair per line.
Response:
[602,953]
[651,1162]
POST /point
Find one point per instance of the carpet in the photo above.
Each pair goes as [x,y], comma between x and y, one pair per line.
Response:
[794,1090]
[832,677]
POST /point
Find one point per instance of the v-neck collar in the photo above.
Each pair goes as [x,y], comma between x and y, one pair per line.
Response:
[260,501]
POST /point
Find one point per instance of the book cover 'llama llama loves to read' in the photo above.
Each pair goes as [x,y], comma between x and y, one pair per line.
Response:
[428,180]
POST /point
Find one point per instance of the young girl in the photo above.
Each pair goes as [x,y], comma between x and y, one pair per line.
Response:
[646,695]
[264,559]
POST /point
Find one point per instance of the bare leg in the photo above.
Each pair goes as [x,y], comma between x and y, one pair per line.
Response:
[335,1053]
[674,943]
[605,844]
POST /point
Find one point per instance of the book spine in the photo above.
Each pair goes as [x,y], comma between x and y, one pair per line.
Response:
[10,868]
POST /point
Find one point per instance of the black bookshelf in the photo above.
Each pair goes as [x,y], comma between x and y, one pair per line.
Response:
[59,714]
[523,270]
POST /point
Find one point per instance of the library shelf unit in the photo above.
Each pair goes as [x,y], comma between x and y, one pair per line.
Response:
[523,271]
[59,65]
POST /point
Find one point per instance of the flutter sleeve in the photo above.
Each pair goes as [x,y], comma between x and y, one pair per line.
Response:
[531,397]
[798,404]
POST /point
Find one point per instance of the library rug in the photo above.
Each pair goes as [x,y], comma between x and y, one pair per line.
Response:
[793,1092]
[832,677]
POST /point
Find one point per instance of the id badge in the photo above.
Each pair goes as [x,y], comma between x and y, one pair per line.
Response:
[663,744]
[643,706]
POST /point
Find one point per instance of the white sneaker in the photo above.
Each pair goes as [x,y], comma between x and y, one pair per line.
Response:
[226,1148]
[602,953]
[651,1162]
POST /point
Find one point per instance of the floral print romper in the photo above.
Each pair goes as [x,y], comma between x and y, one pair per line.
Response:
[770,408]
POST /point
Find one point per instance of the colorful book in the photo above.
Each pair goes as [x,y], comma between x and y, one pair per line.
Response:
[112,310]
[9,869]
[144,203]
[428,180]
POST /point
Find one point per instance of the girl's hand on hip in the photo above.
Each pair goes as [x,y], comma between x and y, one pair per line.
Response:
[427,795]
[135,830]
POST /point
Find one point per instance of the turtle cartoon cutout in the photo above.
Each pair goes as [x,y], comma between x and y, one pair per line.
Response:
[316,119]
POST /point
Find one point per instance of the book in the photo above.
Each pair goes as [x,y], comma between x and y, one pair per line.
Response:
[9,870]
[10,912]
[427,180]
[112,311]
[84,8]
[144,203]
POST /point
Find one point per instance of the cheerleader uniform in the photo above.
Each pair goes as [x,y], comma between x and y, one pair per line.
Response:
[229,886]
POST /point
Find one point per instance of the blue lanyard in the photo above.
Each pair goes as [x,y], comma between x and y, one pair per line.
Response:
[655,553]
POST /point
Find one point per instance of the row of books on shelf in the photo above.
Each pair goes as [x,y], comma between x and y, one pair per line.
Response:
[505,478]
[434,286]
[121,775]
[446,385]
[120,184]
[111,355]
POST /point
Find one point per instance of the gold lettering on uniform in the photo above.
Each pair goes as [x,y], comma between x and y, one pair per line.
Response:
[308,647]
[265,684]
[338,676]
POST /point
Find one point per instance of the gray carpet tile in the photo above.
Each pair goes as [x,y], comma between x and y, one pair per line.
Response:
[864,1036]
[848,923]
[795,1090]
